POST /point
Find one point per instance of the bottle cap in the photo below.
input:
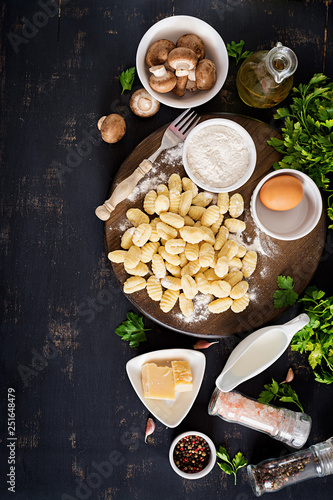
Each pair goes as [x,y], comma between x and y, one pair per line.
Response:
[324,452]
[295,429]
[281,62]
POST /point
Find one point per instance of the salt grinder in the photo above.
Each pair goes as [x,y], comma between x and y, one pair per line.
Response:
[290,427]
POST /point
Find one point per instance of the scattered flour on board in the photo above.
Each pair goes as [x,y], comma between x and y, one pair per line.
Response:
[156,175]
[259,244]
[201,311]
[151,180]
[125,224]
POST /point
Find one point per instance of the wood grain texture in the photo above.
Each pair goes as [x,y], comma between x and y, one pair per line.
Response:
[275,257]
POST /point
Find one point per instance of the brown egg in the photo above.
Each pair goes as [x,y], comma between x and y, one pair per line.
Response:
[281,192]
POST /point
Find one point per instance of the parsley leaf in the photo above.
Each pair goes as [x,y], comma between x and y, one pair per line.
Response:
[316,338]
[286,296]
[132,329]
[230,466]
[283,392]
[235,50]
[126,79]
[307,143]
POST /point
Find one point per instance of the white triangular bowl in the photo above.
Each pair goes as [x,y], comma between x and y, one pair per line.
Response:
[170,413]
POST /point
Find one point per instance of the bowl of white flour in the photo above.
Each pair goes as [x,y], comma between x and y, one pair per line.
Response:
[219,155]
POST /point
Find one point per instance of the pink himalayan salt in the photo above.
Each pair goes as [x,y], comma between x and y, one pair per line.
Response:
[237,408]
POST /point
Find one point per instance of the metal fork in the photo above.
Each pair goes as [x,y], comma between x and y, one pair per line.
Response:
[173,135]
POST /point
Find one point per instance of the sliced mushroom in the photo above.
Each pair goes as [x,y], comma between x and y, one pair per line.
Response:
[182,60]
[158,52]
[112,128]
[162,80]
[143,104]
[205,74]
[180,88]
[194,43]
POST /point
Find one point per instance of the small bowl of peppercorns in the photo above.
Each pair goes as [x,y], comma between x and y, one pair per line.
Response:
[192,455]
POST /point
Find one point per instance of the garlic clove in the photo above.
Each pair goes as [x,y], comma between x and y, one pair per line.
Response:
[150,427]
[289,377]
[203,344]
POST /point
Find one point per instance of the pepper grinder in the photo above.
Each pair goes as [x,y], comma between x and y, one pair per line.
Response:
[274,474]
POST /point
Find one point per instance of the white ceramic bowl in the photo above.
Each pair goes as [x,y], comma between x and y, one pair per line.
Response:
[172,28]
[248,141]
[170,413]
[289,224]
[209,466]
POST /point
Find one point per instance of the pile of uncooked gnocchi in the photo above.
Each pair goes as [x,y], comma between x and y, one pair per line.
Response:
[188,248]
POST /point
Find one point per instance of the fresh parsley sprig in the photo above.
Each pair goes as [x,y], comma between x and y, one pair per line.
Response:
[230,466]
[286,296]
[132,329]
[126,79]
[235,50]
[316,338]
[283,392]
[307,136]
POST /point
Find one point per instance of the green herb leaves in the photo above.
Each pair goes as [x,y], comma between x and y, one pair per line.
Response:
[127,78]
[230,466]
[132,329]
[286,296]
[283,392]
[235,50]
[316,338]
[307,136]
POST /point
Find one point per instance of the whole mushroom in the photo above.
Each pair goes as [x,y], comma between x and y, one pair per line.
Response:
[143,104]
[193,42]
[205,74]
[158,52]
[112,128]
[182,60]
[161,79]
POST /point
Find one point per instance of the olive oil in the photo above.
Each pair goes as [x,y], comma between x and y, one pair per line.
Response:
[265,78]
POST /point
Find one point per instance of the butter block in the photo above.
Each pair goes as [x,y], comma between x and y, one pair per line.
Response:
[157,381]
[182,376]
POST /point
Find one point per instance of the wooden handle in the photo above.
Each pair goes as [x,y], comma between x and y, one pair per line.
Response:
[123,190]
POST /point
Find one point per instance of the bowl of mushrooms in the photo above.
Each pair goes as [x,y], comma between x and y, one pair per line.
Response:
[182,61]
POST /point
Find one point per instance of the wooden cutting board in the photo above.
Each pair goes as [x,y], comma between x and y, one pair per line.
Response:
[298,259]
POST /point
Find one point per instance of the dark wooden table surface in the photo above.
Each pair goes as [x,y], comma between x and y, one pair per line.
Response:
[60,304]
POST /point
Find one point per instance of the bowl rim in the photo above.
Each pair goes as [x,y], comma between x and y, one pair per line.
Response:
[295,173]
[250,146]
[178,103]
[211,462]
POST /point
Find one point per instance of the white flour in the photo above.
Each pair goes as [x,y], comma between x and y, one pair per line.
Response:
[217,156]
[157,175]
[201,311]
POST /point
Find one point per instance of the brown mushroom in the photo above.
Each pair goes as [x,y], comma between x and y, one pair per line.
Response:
[112,128]
[194,43]
[182,60]
[158,52]
[143,104]
[205,74]
[162,80]
[180,88]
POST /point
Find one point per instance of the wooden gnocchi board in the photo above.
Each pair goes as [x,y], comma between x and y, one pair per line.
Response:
[298,258]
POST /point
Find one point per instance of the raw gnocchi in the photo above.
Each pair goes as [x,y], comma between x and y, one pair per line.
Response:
[181,243]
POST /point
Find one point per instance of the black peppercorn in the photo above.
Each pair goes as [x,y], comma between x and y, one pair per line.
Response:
[191,454]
